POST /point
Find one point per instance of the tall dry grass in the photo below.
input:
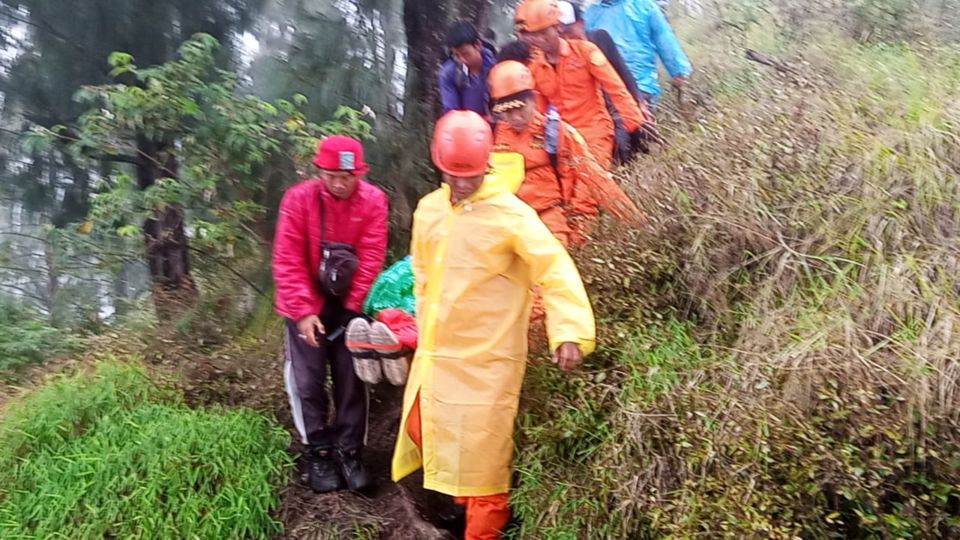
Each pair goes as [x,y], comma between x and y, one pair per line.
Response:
[782,347]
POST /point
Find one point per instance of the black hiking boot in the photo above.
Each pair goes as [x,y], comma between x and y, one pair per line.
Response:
[351,466]
[452,518]
[323,471]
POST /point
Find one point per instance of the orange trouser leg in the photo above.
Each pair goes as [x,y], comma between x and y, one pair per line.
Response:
[414,426]
[582,225]
[601,145]
[486,516]
[556,220]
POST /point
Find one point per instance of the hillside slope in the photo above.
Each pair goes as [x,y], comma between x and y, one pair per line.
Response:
[780,347]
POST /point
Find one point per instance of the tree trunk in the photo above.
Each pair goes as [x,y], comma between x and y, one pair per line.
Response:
[53,278]
[165,237]
[76,197]
[121,290]
[424,23]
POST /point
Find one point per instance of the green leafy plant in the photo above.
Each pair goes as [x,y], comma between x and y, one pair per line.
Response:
[109,453]
[197,162]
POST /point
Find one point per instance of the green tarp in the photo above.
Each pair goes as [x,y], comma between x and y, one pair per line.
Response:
[393,289]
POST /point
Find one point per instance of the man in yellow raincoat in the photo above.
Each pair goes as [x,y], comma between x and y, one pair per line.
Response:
[477,251]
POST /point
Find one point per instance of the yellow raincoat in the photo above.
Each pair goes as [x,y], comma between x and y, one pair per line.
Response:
[475,263]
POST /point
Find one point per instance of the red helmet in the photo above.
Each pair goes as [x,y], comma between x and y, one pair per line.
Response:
[508,78]
[536,15]
[462,142]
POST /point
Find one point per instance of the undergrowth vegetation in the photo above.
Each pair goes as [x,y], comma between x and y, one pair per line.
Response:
[801,378]
[110,454]
[26,339]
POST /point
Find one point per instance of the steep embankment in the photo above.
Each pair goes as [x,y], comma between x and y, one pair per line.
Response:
[779,354]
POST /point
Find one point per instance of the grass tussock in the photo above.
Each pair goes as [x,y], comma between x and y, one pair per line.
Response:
[110,454]
[782,342]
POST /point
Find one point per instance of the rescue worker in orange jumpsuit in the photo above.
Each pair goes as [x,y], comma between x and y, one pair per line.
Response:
[573,75]
[476,252]
[563,182]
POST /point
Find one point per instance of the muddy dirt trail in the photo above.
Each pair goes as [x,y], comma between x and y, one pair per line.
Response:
[253,377]
[389,511]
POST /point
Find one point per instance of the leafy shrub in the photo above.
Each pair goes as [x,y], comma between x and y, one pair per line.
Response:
[109,454]
[25,339]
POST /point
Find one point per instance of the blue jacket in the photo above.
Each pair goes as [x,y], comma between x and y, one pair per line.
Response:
[642,33]
[461,91]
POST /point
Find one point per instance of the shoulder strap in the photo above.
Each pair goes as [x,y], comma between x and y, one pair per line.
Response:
[552,137]
[323,217]
[460,76]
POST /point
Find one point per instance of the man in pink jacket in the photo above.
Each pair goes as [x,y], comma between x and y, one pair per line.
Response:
[338,207]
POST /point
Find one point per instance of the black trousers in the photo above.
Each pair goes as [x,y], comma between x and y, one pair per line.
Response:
[305,374]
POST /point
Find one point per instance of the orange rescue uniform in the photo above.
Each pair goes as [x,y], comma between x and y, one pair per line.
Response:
[567,197]
[575,86]
[487,515]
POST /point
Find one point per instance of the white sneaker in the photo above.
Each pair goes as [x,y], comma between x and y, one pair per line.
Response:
[365,361]
[395,365]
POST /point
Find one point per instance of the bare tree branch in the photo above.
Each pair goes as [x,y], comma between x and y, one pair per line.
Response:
[772,61]
[28,294]
[24,235]
[45,26]
[231,269]
[133,160]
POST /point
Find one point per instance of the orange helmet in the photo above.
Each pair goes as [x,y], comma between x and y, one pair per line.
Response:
[462,142]
[509,78]
[536,15]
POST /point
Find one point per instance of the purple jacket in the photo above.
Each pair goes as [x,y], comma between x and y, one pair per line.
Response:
[462,91]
